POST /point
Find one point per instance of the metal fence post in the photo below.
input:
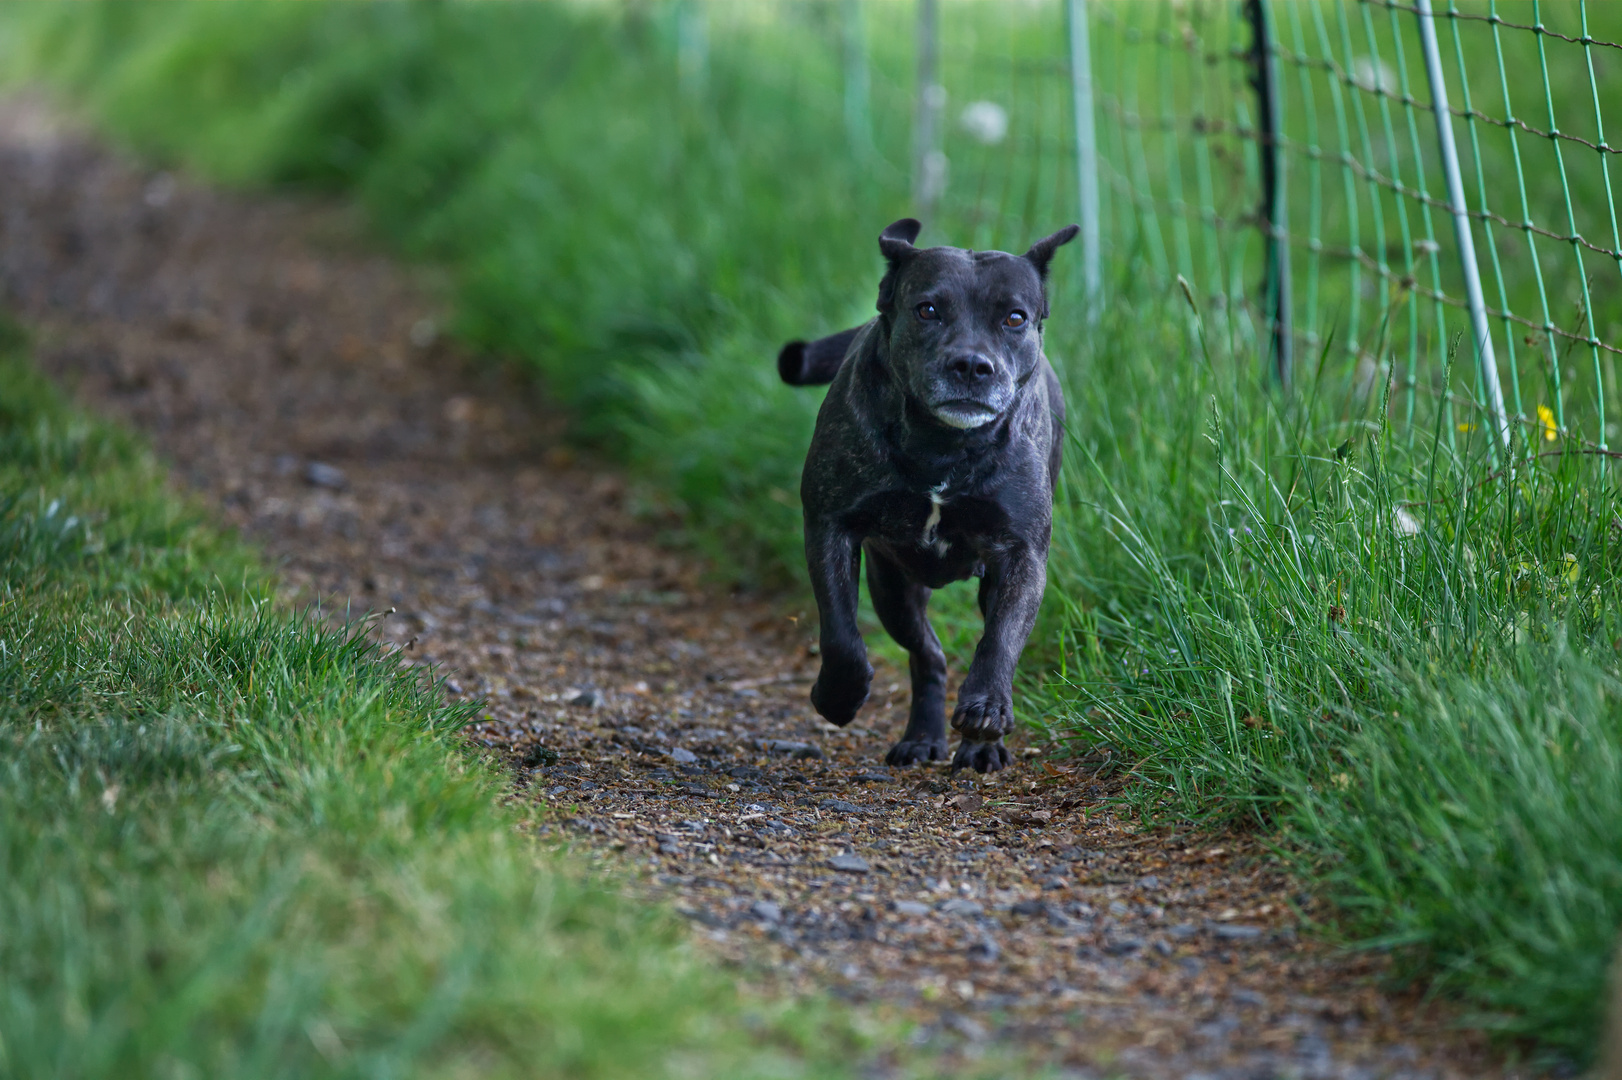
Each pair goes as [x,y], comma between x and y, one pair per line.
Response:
[692,48]
[1274,213]
[1486,361]
[928,160]
[858,82]
[1081,85]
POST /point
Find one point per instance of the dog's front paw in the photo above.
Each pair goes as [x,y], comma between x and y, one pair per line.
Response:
[982,719]
[982,757]
[841,689]
[912,751]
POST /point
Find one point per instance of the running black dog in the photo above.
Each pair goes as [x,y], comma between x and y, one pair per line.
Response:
[935,452]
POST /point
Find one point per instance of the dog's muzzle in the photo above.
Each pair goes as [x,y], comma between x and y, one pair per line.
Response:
[969,389]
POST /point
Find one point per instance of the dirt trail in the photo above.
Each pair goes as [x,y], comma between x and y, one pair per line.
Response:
[297,382]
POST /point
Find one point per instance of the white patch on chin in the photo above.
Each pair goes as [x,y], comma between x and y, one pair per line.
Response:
[964,419]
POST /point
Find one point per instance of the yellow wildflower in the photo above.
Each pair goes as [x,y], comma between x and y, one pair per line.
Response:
[1546,418]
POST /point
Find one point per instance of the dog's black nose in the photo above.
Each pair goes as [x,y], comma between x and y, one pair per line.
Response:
[971,368]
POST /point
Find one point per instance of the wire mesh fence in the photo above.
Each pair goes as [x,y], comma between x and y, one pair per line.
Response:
[1362,195]
[1365,171]
[1417,201]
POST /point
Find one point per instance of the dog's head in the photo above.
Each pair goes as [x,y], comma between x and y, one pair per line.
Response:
[964,327]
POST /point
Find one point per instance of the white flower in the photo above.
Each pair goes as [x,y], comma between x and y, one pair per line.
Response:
[986,121]
[1375,75]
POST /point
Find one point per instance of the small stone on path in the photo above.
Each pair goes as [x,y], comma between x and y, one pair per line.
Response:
[970,1029]
[850,864]
[320,474]
[801,750]
[1123,946]
[961,907]
[1231,932]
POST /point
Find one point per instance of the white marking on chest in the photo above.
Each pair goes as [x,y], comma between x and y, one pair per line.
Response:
[936,499]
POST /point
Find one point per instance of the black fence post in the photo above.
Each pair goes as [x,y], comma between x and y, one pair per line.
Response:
[1274,216]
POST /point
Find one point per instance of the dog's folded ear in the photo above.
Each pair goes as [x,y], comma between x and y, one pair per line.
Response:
[1041,252]
[896,244]
[896,239]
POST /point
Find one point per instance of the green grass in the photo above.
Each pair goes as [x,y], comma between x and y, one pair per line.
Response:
[237,841]
[1404,663]
[1290,614]
[482,138]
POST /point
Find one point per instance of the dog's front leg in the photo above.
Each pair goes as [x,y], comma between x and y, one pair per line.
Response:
[1010,595]
[834,558]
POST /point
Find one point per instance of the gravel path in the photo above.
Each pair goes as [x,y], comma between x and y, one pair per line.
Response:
[298,383]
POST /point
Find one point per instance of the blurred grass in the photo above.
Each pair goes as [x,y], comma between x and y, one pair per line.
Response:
[643,253]
[1279,612]
[240,842]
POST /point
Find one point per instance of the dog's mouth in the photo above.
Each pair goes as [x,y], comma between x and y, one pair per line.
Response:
[965,413]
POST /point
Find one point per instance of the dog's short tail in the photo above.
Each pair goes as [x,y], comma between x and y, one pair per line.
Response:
[813,363]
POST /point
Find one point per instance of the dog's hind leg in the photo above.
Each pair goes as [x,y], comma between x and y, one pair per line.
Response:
[813,363]
[901,606]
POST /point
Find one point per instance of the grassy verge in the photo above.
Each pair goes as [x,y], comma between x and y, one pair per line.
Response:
[644,254]
[1287,613]
[239,842]
[1298,616]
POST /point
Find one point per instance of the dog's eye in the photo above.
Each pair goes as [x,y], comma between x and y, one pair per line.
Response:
[928,313]
[1015,318]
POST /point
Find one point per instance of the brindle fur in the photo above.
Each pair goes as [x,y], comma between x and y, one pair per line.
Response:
[935,454]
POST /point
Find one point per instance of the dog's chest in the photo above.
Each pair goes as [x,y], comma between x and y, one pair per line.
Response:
[930,535]
[935,536]
[937,520]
